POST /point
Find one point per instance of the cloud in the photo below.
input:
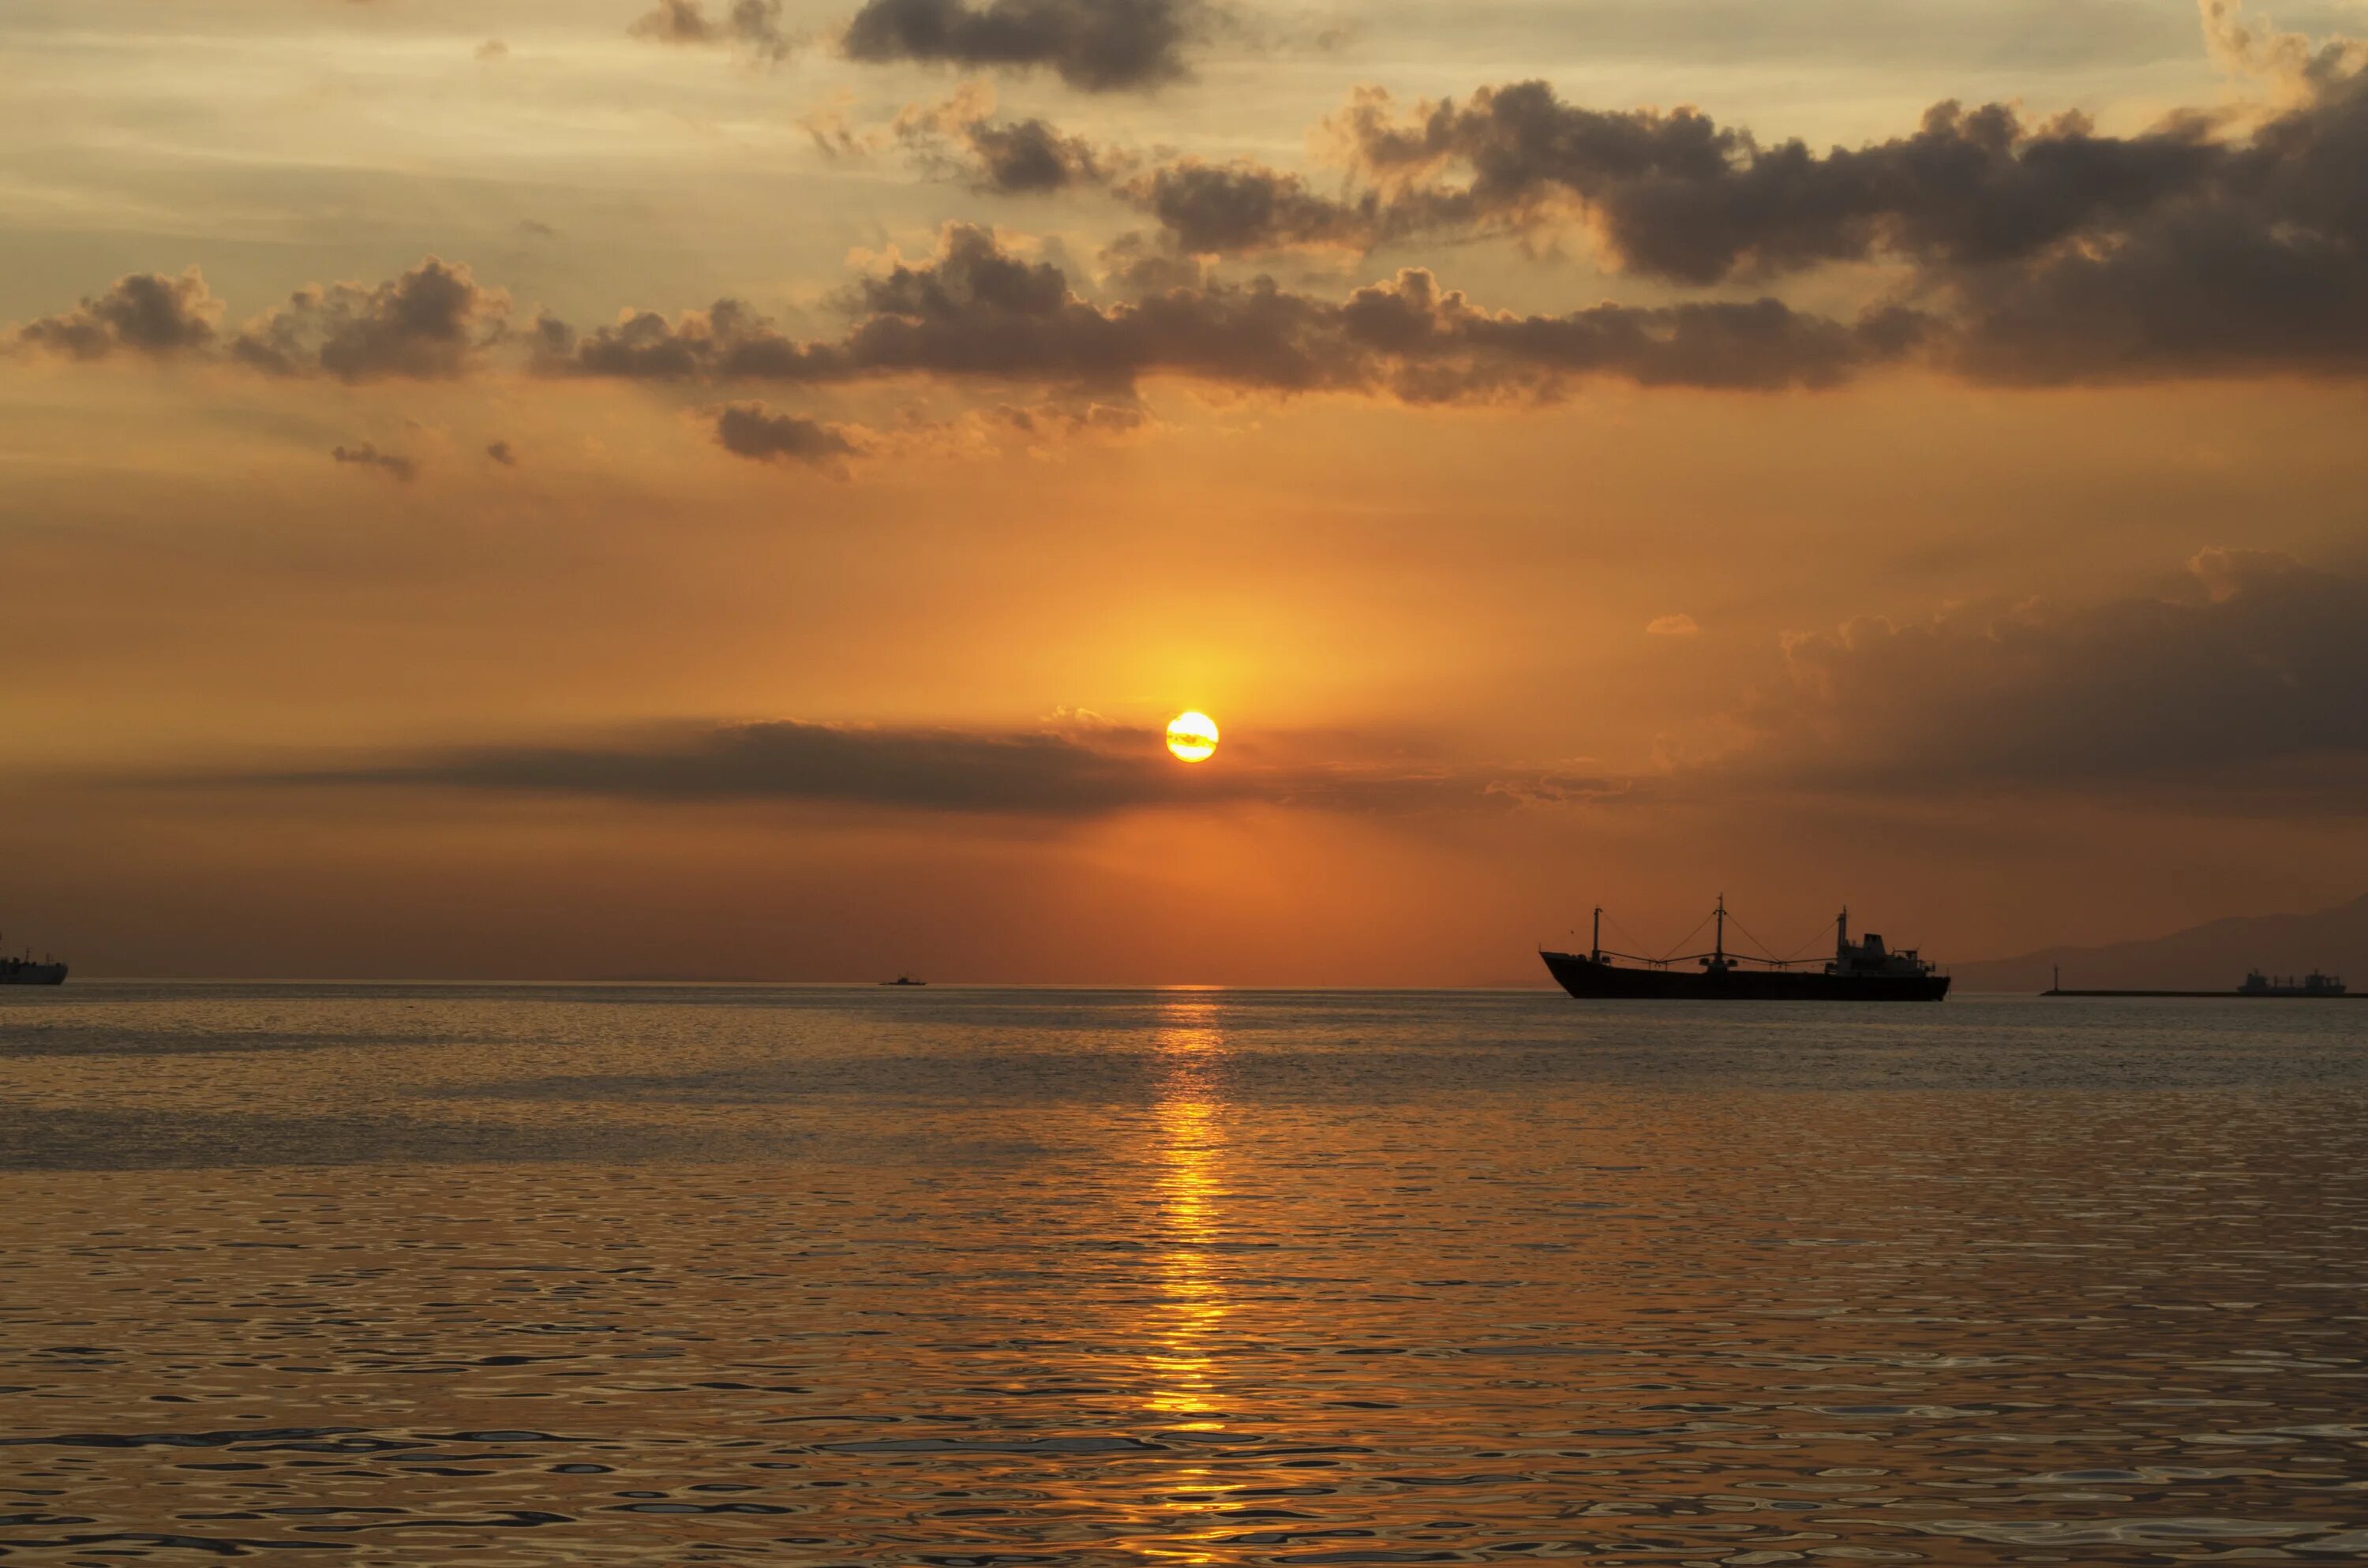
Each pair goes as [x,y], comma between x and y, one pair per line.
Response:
[144,313]
[1672,626]
[369,456]
[2028,251]
[2291,60]
[961,139]
[429,322]
[1070,770]
[2262,271]
[1241,207]
[752,430]
[2262,663]
[754,25]
[1676,195]
[2019,254]
[2250,683]
[1028,157]
[978,311]
[1096,45]
[730,341]
[1070,420]
[503,453]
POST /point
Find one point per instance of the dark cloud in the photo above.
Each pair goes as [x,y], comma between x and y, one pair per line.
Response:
[369,456]
[1679,196]
[976,311]
[1075,770]
[2263,271]
[1097,45]
[730,341]
[430,321]
[752,430]
[503,453]
[145,312]
[1237,208]
[1028,157]
[2262,663]
[754,25]
[2020,254]
[960,138]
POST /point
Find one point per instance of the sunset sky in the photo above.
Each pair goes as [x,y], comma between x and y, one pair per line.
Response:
[560,489]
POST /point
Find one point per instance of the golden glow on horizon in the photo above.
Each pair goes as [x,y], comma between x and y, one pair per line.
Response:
[1192,736]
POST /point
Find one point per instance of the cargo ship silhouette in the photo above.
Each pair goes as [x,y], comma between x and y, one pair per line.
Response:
[2316,987]
[1864,970]
[25,971]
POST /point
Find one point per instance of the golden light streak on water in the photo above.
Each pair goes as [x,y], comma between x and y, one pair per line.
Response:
[1189,1117]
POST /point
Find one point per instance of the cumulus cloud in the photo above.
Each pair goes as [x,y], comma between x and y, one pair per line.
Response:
[1242,208]
[1677,195]
[752,430]
[429,322]
[976,311]
[961,139]
[2262,271]
[2263,662]
[144,313]
[368,456]
[1028,157]
[1097,45]
[1073,770]
[2214,244]
[2253,46]
[2021,253]
[754,25]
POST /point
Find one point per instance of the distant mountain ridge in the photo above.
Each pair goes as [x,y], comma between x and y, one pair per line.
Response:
[2210,957]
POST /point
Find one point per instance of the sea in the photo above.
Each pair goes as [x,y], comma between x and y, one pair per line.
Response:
[379,1274]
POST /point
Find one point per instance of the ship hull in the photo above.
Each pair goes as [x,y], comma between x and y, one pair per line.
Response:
[19,974]
[1586,978]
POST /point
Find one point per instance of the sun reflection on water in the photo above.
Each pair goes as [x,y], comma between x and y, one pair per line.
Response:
[1179,1363]
[1190,1117]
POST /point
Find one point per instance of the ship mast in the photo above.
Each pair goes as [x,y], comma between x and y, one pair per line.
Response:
[1595,946]
[1718,943]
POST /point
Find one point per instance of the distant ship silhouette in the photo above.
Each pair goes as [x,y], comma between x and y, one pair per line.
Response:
[1861,972]
[2314,986]
[904,980]
[25,971]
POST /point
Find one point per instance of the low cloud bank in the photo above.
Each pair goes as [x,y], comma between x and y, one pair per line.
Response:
[1067,771]
[2258,671]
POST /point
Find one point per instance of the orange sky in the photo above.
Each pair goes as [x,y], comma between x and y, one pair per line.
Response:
[538,490]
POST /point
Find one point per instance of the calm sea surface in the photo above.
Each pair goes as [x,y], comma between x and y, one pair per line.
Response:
[549,1275]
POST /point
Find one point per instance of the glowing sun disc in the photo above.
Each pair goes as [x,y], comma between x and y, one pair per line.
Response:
[1193,737]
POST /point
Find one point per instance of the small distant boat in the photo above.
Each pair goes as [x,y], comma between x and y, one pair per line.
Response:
[904,980]
[1864,970]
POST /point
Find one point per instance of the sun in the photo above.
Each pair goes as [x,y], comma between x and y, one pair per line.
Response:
[1193,737]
